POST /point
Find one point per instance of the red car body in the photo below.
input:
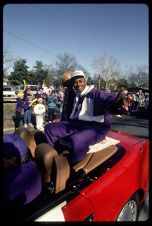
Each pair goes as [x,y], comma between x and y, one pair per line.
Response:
[102,194]
[106,196]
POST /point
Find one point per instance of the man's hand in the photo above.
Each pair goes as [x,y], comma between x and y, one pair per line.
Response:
[121,100]
[126,104]
[56,120]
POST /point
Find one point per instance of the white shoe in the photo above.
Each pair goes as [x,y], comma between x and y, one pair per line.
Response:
[41,129]
[30,124]
[25,125]
[119,116]
[49,121]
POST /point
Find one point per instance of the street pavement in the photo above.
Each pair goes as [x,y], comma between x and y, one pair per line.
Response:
[131,125]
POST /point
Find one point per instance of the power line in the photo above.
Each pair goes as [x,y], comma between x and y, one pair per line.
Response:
[29,43]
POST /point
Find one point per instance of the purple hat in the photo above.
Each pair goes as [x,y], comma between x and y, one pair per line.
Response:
[22,183]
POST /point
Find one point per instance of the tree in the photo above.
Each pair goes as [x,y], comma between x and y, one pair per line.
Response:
[142,75]
[38,72]
[123,82]
[139,77]
[20,72]
[42,73]
[113,84]
[90,80]
[49,74]
[132,79]
[97,81]
[66,62]
[8,61]
[107,68]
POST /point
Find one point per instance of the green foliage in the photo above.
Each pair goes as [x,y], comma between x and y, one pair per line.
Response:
[39,72]
[123,82]
[65,62]
[20,72]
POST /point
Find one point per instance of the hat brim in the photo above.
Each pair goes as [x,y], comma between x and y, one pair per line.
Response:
[78,76]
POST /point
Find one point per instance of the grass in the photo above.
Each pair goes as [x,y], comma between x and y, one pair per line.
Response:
[8,110]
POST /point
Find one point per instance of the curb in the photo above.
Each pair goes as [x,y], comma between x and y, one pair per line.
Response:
[11,129]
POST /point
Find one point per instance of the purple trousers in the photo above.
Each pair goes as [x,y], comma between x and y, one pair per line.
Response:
[81,135]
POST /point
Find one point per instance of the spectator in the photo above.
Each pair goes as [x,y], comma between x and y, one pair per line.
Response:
[19,108]
[134,102]
[146,101]
[44,96]
[27,108]
[41,94]
[61,99]
[39,111]
[38,93]
[52,105]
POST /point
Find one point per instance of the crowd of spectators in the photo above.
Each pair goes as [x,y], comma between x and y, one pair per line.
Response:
[43,104]
[138,103]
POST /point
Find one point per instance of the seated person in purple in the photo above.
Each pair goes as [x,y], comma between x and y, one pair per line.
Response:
[89,121]
[21,178]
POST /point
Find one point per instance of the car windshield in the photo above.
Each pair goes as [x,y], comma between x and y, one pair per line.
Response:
[32,87]
[7,89]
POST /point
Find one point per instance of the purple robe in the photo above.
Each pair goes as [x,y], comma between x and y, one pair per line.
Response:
[89,123]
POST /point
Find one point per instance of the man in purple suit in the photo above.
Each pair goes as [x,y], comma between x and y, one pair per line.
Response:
[89,120]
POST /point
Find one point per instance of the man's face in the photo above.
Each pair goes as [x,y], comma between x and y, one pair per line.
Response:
[80,84]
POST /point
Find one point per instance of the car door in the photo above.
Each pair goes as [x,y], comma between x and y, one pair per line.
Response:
[78,209]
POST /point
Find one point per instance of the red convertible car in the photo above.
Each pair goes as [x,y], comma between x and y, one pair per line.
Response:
[107,185]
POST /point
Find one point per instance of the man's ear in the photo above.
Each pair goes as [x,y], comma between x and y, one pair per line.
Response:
[85,81]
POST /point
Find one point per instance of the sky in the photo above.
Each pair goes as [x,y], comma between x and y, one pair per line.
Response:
[40,32]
